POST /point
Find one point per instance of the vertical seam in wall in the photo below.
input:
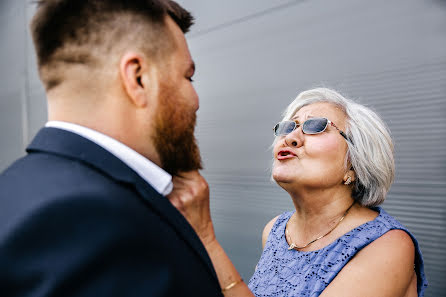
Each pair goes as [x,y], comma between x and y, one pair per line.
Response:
[25,85]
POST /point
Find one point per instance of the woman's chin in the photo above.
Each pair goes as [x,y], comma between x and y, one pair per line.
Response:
[281,176]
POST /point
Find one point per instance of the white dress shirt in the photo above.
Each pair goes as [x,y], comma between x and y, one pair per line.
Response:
[157,177]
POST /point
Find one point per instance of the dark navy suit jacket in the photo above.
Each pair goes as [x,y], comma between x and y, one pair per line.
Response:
[76,221]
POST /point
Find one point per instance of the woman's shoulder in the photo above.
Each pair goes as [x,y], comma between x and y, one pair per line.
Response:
[388,260]
[373,223]
[384,227]
[388,221]
[273,223]
[396,243]
[383,244]
[267,230]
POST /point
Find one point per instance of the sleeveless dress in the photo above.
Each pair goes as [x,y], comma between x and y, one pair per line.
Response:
[283,272]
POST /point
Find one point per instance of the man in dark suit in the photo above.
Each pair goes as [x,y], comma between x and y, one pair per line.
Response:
[85,212]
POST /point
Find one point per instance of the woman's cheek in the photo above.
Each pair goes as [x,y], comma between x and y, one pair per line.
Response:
[325,146]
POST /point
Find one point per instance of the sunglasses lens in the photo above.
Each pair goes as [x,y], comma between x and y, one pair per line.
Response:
[314,126]
[284,128]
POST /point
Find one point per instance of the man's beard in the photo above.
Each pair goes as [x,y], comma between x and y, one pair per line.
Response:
[174,135]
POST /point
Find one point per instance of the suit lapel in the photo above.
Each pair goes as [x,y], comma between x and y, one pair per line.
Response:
[75,147]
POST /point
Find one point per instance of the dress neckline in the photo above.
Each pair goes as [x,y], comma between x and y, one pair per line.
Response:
[286,245]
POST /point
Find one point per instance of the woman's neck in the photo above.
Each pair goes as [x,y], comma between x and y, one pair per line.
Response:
[317,211]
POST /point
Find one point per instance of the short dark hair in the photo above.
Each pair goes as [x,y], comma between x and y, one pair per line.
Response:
[66,31]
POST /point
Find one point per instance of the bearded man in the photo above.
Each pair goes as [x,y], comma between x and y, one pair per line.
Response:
[84,213]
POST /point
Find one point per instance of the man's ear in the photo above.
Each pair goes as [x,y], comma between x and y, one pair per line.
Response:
[133,71]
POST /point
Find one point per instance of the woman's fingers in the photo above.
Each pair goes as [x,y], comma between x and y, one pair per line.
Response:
[190,196]
[189,188]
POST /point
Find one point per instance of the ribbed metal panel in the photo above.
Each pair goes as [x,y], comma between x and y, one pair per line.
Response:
[390,56]
[13,99]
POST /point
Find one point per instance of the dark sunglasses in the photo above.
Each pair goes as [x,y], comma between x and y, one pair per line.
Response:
[310,126]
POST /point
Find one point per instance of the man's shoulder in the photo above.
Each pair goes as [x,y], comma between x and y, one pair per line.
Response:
[74,211]
[40,181]
[44,174]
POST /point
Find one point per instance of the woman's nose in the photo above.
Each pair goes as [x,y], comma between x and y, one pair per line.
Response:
[295,138]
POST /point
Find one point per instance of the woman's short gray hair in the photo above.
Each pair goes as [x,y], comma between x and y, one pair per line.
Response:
[370,149]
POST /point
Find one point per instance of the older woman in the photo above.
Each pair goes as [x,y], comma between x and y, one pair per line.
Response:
[335,159]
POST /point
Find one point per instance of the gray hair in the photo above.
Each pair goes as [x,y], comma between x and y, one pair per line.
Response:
[370,147]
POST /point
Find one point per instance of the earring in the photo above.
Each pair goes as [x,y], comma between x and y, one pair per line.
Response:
[348,181]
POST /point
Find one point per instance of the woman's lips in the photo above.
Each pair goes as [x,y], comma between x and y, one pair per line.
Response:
[285,154]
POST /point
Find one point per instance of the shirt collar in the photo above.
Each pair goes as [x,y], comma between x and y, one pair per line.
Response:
[157,177]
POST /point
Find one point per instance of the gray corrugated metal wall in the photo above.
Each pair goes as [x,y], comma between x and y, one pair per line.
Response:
[22,98]
[253,57]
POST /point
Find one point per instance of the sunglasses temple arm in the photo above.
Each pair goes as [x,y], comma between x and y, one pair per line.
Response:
[343,135]
[340,131]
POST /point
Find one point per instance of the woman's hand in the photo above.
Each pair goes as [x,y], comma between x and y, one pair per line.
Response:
[190,196]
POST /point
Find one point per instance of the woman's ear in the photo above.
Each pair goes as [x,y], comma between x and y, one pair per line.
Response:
[349,177]
[132,69]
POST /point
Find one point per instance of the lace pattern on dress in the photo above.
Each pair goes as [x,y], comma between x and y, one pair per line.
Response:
[283,272]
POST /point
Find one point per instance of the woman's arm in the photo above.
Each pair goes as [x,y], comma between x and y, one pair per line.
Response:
[384,268]
[227,274]
[191,197]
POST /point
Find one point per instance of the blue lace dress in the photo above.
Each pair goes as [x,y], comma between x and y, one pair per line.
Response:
[283,272]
